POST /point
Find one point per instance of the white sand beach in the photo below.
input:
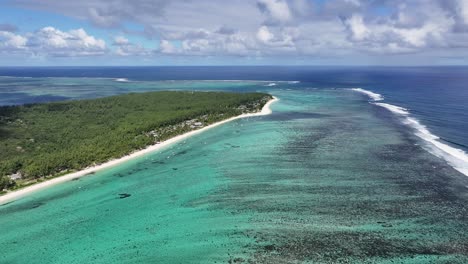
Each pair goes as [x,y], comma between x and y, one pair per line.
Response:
[14,195]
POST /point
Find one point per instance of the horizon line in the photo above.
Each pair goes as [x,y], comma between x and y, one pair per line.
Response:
[260,65]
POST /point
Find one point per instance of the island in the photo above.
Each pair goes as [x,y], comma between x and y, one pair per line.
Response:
[47,140]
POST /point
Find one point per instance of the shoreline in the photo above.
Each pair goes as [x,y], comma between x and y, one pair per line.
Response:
[14,195]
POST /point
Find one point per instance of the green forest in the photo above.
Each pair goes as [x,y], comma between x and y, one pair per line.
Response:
[51,139]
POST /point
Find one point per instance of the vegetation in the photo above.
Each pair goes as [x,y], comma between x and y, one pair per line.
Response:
[50,139]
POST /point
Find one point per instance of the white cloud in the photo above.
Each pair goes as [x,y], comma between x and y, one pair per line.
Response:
[11,42]
[300,28]
[279,42]
[237,45]
[357,27]
[463,10]
[204,42]
[277,9]
[403,34]
[166,47]
[264,34]
[49,41]
[126,48]
[198,46]
[301,8]
[120,40]
[419,37]
[53,42]
[353,2]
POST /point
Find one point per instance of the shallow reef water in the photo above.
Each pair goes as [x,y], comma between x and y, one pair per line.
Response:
[326,178]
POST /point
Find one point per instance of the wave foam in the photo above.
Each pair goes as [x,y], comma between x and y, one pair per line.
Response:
[271,84]
[372,95]
[393,108]
[457,158]
[121,80]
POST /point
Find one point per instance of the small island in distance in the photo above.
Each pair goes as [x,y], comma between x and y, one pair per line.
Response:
[46,140]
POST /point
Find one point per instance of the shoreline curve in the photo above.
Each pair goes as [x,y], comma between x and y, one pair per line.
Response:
[15,195]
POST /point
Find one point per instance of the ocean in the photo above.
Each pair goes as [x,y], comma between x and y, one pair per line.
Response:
[356,164]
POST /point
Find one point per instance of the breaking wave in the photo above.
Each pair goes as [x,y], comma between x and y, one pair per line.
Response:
[457,158]
[372,95]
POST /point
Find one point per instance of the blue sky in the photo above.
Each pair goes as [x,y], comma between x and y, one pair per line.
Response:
[237,32]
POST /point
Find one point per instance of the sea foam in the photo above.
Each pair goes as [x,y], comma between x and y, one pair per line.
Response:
[457,158]
[393,108]
[372,95]
[121,80]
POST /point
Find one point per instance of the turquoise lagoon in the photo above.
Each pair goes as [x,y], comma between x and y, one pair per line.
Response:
[327,178]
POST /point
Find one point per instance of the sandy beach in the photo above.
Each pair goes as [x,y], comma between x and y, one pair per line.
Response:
[14,195]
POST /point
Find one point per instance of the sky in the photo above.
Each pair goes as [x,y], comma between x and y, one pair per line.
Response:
[234,32]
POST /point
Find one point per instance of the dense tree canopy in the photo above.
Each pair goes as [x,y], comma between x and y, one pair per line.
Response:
[39,140]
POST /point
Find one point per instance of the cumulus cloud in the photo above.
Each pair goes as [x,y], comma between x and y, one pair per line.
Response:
[238,44]
[125,48]
[10,42]
[298,28]
[282,39]
[54,42]
[357,28]
[219,44]
[166,47]
[264,34]
[120,40]
[402,34]
[50,41]
[278,10]
[204,42]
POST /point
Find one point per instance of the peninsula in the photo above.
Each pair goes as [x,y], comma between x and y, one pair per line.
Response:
[43,141]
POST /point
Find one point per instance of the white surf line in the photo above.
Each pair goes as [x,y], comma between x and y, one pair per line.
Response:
[456,158]
[125,80]
[14,195]
[372,95]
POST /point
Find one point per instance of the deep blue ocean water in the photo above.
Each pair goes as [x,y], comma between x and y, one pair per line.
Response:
[437,96]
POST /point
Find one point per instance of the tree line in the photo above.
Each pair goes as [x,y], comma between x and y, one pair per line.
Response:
[47,139]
